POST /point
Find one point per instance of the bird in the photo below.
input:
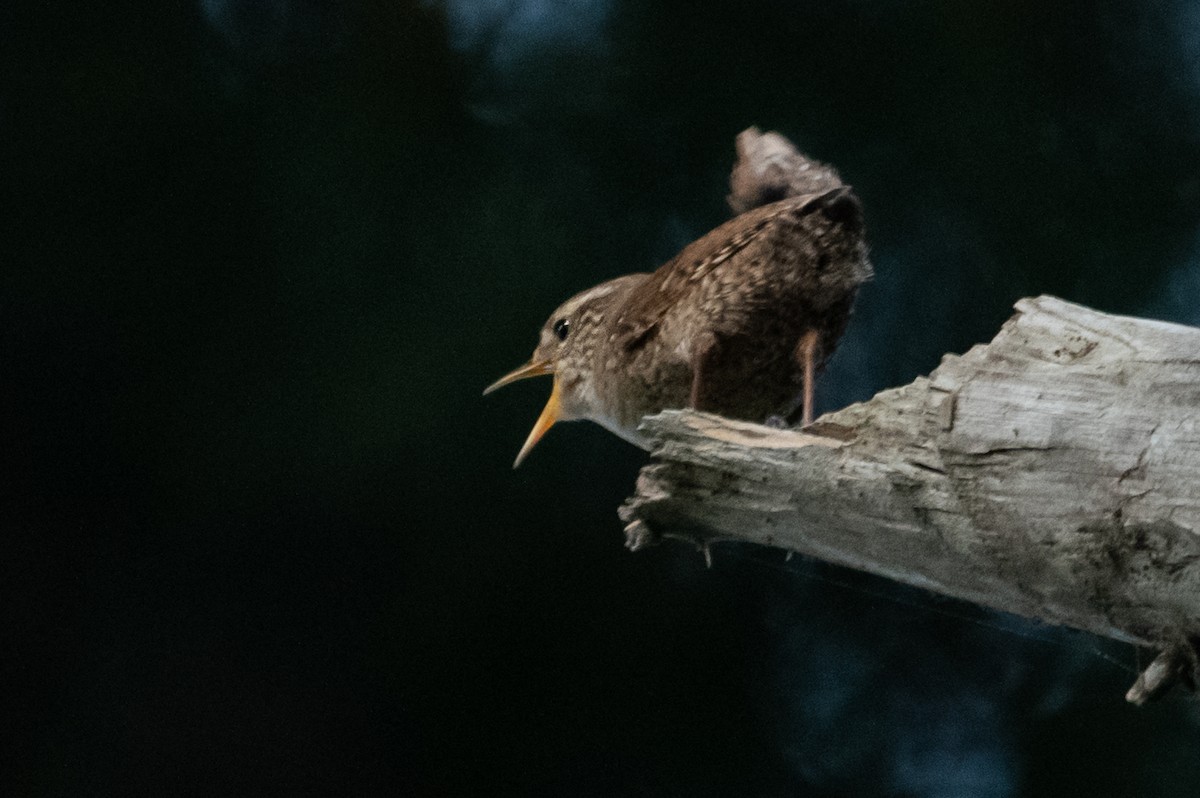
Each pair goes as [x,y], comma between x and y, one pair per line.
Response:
[739,323]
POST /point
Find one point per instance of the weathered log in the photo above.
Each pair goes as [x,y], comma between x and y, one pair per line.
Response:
[1053,473]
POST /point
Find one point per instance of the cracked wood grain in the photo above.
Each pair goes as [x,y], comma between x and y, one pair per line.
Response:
[1050,473]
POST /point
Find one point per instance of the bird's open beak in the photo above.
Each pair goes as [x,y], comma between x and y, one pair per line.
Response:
[534,368]
[550,412]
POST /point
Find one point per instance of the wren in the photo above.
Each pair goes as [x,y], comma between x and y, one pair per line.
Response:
[739,323]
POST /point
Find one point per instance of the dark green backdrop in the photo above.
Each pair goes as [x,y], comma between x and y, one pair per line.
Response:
[260,535]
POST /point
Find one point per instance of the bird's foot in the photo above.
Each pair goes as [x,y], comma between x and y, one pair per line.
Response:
[776,421]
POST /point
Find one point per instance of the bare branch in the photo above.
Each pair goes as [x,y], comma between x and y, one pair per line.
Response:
[1053,473]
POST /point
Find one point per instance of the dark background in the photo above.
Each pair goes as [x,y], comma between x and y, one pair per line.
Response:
[259,259]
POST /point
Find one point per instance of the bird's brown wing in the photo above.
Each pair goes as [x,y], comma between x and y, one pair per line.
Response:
[675,279]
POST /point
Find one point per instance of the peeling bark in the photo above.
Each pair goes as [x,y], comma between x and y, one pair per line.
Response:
[1052,473]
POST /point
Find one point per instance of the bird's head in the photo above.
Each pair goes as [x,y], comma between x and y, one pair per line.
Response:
[569,348]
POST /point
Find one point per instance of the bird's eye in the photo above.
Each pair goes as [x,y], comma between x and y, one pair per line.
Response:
[561,328]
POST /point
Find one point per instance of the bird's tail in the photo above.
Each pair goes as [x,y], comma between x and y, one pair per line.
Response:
[769,168]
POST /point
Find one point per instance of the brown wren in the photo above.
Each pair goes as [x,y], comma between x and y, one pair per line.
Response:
[739,323]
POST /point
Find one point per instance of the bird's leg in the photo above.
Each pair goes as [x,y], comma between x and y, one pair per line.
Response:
[806,357]
[807,353]
[702,354]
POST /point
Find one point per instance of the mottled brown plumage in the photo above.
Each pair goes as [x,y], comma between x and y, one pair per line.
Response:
[738,323]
